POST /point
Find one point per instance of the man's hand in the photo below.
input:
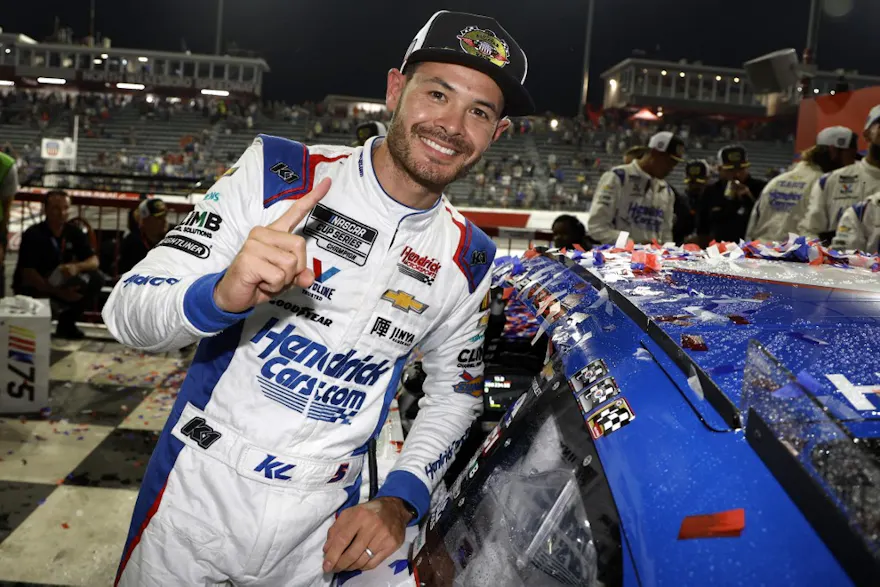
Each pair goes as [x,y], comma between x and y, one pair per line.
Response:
[379,525]
[68,294]
[69,270]
[271,260]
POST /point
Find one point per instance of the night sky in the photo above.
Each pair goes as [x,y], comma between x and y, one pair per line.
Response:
[321,47]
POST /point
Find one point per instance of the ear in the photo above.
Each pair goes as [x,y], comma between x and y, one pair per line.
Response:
[503,125]
[394,90]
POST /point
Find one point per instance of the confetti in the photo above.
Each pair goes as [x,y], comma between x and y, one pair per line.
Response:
[65,525]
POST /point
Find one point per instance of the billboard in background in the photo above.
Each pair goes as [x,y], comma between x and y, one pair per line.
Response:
[848,109]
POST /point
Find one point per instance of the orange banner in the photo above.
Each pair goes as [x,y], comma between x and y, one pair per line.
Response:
[849,109]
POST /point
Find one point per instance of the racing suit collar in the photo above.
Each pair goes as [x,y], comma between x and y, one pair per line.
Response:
[389,208]
[870,169]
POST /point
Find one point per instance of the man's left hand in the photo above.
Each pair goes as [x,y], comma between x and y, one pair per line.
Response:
[69,270]
[379,525]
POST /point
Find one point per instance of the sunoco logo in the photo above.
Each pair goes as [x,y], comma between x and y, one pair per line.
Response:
[297,377]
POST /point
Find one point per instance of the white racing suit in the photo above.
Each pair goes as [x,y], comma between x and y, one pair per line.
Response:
[859,227]
[782,204]
[628,199]
[265,441]
[834,193]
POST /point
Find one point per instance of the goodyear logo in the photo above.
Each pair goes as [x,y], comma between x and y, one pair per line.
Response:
[307,377]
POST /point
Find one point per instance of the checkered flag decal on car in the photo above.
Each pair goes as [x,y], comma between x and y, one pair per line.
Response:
[610,418]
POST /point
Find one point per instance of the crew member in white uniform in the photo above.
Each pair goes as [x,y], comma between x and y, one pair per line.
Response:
[635,197]
[783,203]
[859,227]
[837,191]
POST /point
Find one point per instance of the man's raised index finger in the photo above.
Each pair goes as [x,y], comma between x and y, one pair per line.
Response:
[301,207]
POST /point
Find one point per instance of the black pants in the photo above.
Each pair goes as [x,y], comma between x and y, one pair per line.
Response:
[89,285]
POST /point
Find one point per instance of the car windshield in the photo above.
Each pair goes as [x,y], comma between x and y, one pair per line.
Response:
[532,508]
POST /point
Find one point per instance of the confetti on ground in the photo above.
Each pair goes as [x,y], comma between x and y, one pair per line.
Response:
[65,525]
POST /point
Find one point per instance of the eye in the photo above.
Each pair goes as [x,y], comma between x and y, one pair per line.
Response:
[481,113]
[437,95]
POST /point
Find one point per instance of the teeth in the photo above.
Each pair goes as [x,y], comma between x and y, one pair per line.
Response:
[440,148]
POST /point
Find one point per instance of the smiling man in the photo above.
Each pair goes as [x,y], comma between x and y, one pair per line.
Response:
[309,276]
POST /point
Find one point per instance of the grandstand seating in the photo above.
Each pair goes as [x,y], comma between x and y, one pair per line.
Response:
[156,134]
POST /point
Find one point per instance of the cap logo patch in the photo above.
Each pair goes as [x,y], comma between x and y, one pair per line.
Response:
[661,146]
[734,156]
[694,170]
[841,141]
[484,43]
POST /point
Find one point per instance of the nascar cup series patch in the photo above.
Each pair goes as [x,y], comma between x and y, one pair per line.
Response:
[610,418]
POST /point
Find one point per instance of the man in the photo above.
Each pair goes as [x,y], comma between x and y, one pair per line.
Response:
[783,203]
[367,130]
[859,227]
[150,228]
[726,205]
[304,335]
[636,198]
[696,174]
[56,261]
[634,153]
[569,231]
[8,188]
[837,191]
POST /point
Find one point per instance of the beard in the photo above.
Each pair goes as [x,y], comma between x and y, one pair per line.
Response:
[434,177]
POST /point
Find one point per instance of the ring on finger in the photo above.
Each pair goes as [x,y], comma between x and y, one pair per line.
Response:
[369,552]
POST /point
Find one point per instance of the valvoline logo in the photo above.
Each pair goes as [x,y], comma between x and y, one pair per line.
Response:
[287,377]
[322,275]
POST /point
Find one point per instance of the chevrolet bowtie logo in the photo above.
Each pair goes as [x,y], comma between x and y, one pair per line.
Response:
[404,301]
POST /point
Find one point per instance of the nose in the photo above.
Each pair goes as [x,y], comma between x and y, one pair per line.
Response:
[451,120]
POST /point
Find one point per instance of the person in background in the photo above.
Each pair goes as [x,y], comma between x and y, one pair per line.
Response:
[635,197]
[634,153]
[8,188]
[150,228]
[783,203]
[726,205]
[56,261]
[840,189]
[696,177]
[569,231]
[368,130]
[859,227]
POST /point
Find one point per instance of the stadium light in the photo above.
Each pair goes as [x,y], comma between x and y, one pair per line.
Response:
[612,83]
[681,74]
[554,123]
[143,59]
[97,61]
[125,62]
[150,99]
[207,92]
[6,82]
[663,72]
[736,80]
[815,90]
[126,86]
[717,78]
[832,91]
[104,56]
[52,80]
[8,51]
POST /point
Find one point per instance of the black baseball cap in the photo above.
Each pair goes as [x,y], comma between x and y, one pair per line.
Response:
[733,157]
[696,171]
[367,130]
[478,42]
